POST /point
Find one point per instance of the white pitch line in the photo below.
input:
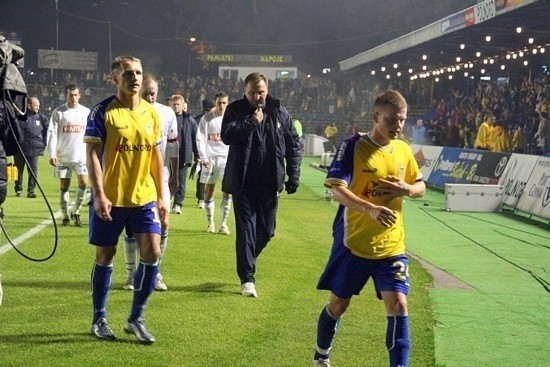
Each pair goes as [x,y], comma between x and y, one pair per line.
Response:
[25,236]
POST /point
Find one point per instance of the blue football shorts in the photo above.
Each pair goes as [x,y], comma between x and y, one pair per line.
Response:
[141,219]
[346,274]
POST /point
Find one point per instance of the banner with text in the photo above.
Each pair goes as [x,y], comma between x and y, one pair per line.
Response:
[70,60]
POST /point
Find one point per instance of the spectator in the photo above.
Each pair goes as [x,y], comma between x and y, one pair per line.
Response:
[418,132]
[542,135]
[331,133]
[35,131]
[483,138]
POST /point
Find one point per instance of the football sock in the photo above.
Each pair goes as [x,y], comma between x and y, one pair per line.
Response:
[397,340]
[130,255]
[64,202]
[326,328]
[79,199]
[226,207]
[144,285]
[101,282]
[209,206]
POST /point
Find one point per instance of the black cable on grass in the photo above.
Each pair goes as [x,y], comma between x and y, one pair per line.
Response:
[56,237]
[523,241]
[545,284]
[500,225]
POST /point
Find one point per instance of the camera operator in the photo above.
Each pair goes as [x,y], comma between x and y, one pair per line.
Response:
[12,86]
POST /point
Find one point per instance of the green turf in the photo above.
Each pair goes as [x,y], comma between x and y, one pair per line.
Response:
[504,320]
[201,320]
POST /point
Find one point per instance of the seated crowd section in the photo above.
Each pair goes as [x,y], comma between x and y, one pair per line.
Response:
[451,116]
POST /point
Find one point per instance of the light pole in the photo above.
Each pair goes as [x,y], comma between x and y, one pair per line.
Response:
[56,25]
[191,40]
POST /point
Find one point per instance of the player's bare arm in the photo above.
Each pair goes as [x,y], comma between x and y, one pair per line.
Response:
[396,187]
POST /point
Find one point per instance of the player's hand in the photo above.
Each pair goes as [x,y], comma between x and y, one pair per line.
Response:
[163,214]
[102,208]
[205,163]
[382,215]
[53,162]
[394,186]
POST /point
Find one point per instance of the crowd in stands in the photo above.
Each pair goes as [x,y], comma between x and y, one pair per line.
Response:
[517,116]
[451,119]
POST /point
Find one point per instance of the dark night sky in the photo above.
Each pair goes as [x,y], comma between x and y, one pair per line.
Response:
[317,33]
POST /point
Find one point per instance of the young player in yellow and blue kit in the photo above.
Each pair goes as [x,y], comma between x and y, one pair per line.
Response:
[369,176]
[123,135]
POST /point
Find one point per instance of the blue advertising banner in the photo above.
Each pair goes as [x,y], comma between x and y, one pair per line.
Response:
[441,173]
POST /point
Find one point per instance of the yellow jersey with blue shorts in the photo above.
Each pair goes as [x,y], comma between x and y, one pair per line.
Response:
[359,165]
[128,138]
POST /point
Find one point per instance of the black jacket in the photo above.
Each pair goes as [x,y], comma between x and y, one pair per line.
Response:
[35,129]
[238,126]
[187,133]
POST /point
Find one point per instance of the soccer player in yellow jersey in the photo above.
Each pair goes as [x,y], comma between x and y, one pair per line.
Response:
[123,136]
[369,176]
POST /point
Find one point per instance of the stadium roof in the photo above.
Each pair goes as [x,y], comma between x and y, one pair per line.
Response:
[433,50]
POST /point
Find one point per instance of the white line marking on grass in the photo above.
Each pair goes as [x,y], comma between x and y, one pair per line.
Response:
[25,236]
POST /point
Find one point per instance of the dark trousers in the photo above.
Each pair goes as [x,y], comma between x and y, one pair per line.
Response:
[179,196]
[200,189]
[255,213]
[20,164]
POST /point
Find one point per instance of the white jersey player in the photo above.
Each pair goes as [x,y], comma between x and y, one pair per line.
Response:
[67,150]
[170,149]
[213,156]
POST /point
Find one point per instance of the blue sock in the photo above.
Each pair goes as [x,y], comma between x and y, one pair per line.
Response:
[326,328]
[397,340]
[101,282]
[144,285]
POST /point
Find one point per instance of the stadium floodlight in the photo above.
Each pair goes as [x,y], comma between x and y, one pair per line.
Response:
[372,72]
[525,62]
[502,67]
[478,54]
[410,71]
[488,38]
[531,40]
[395,66]
[458,59]
[462,46]
[518,29]
[383,68]
[424,57]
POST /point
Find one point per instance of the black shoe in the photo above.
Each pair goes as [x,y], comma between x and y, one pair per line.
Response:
[31,195]
[102,330]
[76,218]
[138,328]
[65,222]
